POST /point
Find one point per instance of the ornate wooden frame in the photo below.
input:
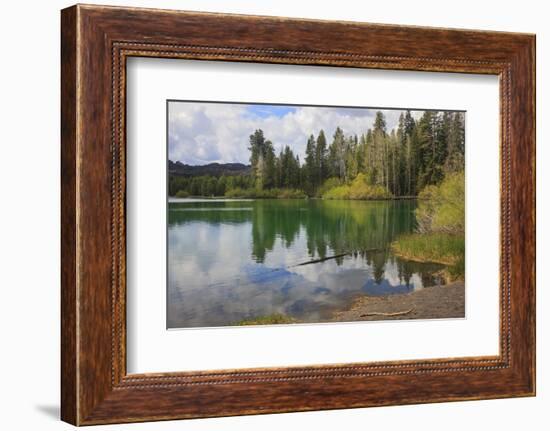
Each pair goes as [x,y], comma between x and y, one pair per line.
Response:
[95,43]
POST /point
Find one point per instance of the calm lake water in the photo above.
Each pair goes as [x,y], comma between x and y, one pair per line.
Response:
[231,260]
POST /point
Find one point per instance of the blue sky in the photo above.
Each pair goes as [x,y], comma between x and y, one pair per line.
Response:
[204,132]
[265,111]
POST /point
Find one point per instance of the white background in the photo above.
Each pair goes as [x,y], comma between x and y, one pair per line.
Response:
[29,228]
[153,349]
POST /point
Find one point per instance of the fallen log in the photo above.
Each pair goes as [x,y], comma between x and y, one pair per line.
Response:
[309,262]
[336,256]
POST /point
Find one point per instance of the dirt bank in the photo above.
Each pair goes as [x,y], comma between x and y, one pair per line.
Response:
[429,303]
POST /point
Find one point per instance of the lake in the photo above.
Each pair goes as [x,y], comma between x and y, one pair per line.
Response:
[234,260]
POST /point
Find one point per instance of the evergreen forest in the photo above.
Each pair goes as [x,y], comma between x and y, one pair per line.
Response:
[377,164]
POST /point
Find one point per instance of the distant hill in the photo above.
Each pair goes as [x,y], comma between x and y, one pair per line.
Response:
[214,169]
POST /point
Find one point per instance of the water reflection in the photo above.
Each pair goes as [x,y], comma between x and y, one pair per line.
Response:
[235,260]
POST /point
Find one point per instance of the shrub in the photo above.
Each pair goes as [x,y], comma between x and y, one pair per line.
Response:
[237,192]
[182,194]
[265,194]
[441,208]
[359,189]
[440,219]
[339,192]
[291,194]
[327,185]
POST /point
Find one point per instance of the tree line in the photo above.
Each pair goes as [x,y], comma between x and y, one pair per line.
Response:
[207,185]
[403,161]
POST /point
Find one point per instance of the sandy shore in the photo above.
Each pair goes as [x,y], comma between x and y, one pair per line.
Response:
[429,303]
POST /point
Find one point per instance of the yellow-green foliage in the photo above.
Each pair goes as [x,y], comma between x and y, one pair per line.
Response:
[182,194]
[237,192]
[430,247]
[290,194]
[265,194]
[447,249]
[328,184]
[272,319]
[359,189]
[440,218]
[441,208]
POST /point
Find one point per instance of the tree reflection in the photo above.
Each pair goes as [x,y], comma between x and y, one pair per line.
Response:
[331,228]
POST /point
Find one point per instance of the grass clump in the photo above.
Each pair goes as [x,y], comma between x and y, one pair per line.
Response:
[430,247]
[271,319]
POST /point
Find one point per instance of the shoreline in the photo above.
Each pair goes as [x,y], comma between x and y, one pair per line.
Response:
[435,302]
[413,258]
[398,198]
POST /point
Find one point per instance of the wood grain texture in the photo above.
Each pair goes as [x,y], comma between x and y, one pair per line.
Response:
[69,397]
[96,41]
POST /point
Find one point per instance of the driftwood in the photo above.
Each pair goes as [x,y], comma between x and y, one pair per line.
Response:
[376,313]
[336,256]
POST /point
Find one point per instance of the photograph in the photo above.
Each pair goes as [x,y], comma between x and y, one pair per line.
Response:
[289,214]
[281,211]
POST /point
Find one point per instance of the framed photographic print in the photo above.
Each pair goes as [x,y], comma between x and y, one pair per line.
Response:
[266,215]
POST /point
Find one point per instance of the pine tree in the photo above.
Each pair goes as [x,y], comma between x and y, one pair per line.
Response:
[290,167]
[370,166]
[270,167]
[352,168]
[279,169]
[321,158]
[310,168]
[337,155]
[455,143]
[380,150]
[262,159]
[393,148]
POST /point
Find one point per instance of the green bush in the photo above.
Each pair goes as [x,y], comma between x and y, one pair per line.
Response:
[290,194]
[327,185]
[359,189]
[182,194]
[265,194]
[441,222]
[338,192]
[441,208]
[236,193]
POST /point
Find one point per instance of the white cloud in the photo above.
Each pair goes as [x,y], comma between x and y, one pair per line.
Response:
[201,133]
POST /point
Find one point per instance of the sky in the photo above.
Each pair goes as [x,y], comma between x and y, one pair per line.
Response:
[205,132]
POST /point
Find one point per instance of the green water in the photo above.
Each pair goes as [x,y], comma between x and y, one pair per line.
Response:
[232,260]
